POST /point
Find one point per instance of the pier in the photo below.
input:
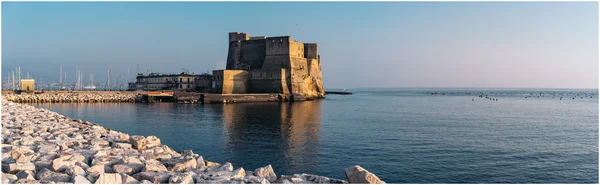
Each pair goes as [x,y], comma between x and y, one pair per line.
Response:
[338,92]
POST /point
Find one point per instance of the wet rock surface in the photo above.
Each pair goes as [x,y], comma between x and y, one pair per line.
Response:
[41,146]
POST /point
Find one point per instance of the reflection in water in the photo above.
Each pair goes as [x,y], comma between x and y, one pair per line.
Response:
[288,131]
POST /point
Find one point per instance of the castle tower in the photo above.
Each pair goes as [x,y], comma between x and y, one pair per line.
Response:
[235,44]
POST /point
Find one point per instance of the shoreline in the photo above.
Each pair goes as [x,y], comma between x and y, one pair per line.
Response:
[41,146]
[145,97]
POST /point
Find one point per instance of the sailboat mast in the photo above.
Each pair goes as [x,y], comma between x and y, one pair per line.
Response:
[13,80]
[61,77]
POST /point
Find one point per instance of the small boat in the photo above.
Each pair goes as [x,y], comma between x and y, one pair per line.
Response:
[89,87]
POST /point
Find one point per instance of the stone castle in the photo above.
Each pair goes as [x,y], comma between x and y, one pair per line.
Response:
[270,65]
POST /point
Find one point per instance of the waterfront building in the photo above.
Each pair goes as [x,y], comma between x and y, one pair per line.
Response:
[27,85]
[169,82]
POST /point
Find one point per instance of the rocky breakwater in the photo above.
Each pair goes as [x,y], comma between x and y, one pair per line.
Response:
[69,97]
[40,146]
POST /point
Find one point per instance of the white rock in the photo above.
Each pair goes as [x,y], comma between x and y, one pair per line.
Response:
[154,177]
[78,179]
[16,167]
[154,166]
[181,179]
[266,172]
[357,174]
[109,178]
[76,170]
[8,178]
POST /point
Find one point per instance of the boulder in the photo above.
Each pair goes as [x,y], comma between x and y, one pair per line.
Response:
[128,179]
[266,172]
[25,181]
[47,148]
[16,167]
[181,179]
[154,166]
[209,164]
[109,178]
[154,177]
[76,170]
[146,182]
[26,174]
[152,141]
[188,153]
[122,168]
[357,174]
[47,175]
[39,165]
[9,178]
[138,142]
[200,162]
[225,167]
[180,165]
[250,179]
[123,145]
[59,165]
[97,170]
[78,179]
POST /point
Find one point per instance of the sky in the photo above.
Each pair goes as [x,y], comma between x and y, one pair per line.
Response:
[362,45]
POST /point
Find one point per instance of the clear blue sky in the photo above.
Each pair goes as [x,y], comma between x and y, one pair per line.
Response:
[392,44]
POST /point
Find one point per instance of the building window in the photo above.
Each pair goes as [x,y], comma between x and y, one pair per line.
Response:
[188,80]
[180,86]
[271,75]
[188,86]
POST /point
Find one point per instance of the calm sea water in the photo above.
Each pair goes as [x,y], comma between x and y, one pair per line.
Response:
[401,135]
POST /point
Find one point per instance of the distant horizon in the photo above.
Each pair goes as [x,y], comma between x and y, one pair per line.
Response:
[502,88]
[385,44]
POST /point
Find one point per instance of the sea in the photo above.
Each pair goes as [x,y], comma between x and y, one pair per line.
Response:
[403,135]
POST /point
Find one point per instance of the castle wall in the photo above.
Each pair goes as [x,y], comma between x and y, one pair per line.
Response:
[296,49]
[276,62]
[252,54]
[277,46]
[314,69]
[236,36]
[311,50]
[230,81]
[233,54]
[266,81]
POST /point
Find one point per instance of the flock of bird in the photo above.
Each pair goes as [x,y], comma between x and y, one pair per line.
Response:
[493,95]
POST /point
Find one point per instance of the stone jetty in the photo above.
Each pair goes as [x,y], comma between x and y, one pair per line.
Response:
[41,146]
[70,97]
